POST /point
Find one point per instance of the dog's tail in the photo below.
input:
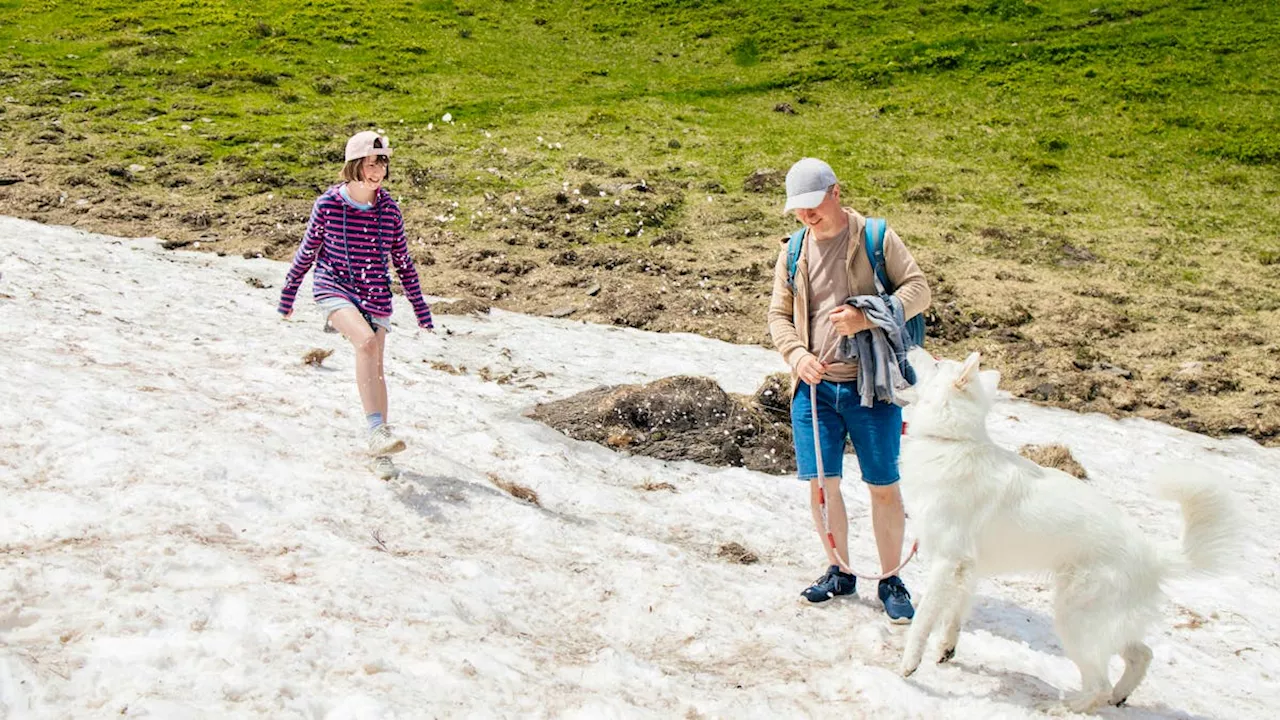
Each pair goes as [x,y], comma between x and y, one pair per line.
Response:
[1211,533]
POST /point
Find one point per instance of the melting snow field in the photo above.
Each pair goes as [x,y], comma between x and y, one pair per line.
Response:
[188,528]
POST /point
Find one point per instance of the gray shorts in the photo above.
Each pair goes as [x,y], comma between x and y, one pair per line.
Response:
[330,304]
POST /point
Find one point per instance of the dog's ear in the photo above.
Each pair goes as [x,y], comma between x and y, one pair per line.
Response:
[990,381]
[968,371]
[922,362]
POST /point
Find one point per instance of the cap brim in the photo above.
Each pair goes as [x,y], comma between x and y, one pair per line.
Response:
[371,152]
[805,201]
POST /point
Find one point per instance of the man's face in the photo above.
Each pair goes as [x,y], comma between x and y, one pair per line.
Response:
[826,216]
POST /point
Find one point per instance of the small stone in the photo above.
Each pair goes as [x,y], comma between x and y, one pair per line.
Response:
[594,289]
[562,312]
[1116,370]
[1046,391]
[1190,368]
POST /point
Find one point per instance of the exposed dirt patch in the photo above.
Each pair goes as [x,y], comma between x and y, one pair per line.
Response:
[764,181]
[462,306]
[676,418]
[1054,456]
[773,397]
[735,552]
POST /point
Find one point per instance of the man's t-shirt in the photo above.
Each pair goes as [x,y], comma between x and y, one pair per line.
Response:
[828,289]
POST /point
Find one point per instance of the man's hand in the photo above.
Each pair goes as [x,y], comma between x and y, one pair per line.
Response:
[849,320]
[810,369]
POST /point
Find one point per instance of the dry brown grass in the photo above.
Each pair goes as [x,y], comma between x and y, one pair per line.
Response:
[1054,456]
[492,376]
[316,356]
[516,490]
[619,439]
[446,367]
[736,553]
[1193,621]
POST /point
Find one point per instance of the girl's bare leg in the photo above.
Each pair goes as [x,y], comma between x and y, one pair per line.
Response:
[368,346]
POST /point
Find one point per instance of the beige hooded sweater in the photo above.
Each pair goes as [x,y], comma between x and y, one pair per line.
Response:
[789,312]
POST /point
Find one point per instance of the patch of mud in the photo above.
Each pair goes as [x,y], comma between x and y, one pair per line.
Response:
[676,418]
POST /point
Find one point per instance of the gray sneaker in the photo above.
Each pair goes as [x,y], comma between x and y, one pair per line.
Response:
[382,442]
[383,468]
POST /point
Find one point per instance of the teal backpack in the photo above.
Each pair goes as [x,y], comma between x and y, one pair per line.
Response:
[874,239]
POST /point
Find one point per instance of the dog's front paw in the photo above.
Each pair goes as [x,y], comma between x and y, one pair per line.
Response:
[947,654]
[1084,702]
[909,665]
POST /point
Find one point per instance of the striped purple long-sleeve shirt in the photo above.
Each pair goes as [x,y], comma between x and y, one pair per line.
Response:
[349,248]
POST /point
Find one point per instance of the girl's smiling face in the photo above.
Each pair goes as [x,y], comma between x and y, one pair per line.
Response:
[374,170]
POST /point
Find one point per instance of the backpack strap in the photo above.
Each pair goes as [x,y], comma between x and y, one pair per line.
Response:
[794,246]
[873,236]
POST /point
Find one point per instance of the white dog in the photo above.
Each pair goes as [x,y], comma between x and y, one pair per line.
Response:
[982,510]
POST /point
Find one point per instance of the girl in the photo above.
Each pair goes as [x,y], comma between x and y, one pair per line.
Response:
[354,227]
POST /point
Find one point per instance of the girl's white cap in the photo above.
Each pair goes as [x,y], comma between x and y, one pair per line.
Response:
[364,144]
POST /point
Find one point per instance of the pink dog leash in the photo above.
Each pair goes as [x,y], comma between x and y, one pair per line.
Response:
[822,501]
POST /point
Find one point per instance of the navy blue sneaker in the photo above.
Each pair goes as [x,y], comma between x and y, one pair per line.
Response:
[896,599]
[830,585]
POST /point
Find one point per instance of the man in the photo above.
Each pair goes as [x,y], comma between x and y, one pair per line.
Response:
[806,325]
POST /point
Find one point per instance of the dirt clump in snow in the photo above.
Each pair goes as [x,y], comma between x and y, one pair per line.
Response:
[676,418]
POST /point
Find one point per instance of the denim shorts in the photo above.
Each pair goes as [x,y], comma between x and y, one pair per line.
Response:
[876,433]
[330,304]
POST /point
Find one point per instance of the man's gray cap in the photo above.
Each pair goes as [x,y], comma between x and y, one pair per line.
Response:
[807,183]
